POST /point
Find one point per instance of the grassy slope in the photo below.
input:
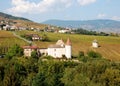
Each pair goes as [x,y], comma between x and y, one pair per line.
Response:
[29,24]
[25,23]
[110,46]
[8,39]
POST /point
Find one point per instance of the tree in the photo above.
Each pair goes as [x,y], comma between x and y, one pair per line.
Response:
[15,50]
[34,54]
[72,77]
[94,54]
[111,77]
[39,80]
[45,37]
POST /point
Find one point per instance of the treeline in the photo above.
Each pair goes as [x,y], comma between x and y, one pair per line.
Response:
[87,32]
[90,70]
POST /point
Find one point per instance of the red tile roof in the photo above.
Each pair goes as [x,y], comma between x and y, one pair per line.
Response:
[68,42]
[30,47]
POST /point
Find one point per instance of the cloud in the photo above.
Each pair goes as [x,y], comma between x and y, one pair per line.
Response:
[116,18]
[86,2]
[25,6]
[101,15]
[28,6]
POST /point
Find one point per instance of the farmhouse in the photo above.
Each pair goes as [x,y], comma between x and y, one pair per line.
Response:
[95,44]
[28,50]
[36,37]
[57,50]
[33,37]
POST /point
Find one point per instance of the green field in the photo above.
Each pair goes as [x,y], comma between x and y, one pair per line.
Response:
[7,39]
[110,46]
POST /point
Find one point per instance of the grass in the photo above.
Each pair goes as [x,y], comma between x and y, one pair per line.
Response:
[7,39]
[110,46]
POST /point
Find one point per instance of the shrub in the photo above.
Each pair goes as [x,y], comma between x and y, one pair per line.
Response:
[94,54]
[81,54]
[34,54]
[15,50]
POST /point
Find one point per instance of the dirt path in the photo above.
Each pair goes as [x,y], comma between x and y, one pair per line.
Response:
[30,42]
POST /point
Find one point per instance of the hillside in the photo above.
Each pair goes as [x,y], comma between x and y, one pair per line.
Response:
[4,15]
[110,46]
[97,25]
[20,22]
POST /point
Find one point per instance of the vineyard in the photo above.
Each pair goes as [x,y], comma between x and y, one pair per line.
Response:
[7,39]
[109,45]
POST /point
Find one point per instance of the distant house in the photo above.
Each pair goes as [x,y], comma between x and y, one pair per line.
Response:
[64,31]
[95,44]
[13,27]
[33,37]
[7,27]
[57,50]
[36,37]
[21,28]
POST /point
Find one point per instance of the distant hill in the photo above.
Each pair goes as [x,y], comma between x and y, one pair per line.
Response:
[4,15]
[20,21]
[97,25]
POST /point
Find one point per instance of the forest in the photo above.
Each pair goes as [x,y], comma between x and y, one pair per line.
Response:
[90,70]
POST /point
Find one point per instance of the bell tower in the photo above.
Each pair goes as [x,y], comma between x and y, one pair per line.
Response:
[68,49]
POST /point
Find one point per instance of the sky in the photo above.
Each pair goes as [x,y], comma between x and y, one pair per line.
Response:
[42,10]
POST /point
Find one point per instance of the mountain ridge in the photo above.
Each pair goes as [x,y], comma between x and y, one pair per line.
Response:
[105,25]
[8,16]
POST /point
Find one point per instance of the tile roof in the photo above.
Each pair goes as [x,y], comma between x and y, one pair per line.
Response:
[56,46]
[30,47]
[68,42]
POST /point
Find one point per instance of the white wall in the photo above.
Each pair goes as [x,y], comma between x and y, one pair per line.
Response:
[68,52]
[45,51]
[95,45]
[56,52]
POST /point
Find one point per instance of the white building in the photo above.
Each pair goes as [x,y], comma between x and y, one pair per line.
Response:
[57,50]
[60,49]
[95,44]
[36,37]
[64,31]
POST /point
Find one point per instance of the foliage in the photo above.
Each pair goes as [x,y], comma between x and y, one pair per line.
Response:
[15,50]
[48,57]
[29,72]
[45,37]
[111,77]
[87,32]
[39,80]
[34,54]
[91,55]
[94,54]
[81,54]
